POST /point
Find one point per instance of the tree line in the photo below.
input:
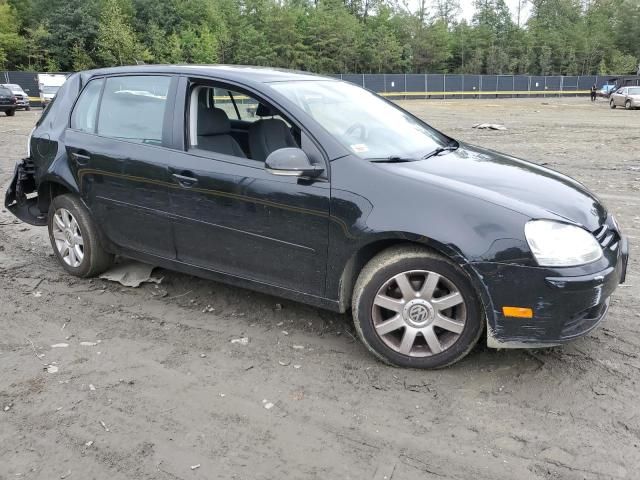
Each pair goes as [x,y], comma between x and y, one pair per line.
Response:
[568,37]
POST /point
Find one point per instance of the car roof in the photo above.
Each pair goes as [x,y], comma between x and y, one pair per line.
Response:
[241,73]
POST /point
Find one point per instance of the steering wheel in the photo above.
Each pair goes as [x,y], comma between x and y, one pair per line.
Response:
[350,132]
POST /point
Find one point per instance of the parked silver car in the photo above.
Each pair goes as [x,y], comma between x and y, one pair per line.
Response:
[627,97]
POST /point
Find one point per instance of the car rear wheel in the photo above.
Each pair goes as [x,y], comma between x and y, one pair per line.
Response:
[27,109]
[74,238]
[10,113]
[627,104]
[612,104]
[414,308]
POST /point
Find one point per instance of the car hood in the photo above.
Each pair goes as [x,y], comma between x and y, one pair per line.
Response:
[512,183]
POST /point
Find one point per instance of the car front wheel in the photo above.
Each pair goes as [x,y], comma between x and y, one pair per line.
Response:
[414,308]
[10,113]
[612,104]
[74,238]
[627,104]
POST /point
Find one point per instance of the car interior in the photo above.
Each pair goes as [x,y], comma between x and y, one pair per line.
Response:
[232,123]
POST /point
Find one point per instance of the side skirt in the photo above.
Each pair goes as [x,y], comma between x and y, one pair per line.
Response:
[236,281]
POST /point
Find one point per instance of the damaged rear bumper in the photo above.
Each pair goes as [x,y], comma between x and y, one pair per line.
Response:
[19,198]
[564,307]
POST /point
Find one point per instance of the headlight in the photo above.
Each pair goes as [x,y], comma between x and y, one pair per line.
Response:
[556,244]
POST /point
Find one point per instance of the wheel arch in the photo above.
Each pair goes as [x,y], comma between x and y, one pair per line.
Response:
[49,188]
[366,252]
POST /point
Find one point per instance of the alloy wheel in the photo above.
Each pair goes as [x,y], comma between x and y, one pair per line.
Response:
[419,313]
[68,237]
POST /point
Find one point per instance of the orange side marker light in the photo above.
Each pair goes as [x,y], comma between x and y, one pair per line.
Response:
[517,312]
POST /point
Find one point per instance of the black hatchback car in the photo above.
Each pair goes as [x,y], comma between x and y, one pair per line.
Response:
[322,192]
[8,102]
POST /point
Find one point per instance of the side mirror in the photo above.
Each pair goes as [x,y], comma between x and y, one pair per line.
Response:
[291,162]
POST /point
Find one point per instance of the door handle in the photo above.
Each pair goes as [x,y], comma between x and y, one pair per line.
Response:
[81,158]
[184,180]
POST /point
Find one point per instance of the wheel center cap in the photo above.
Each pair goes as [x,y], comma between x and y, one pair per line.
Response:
[418,313]
[68,236]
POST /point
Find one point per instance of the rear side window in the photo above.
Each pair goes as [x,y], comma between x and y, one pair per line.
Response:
[85,112]
[133,108]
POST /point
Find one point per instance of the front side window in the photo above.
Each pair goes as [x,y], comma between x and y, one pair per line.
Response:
[133,108]
[634,91]
[369,126]
[85,112]
[233,123]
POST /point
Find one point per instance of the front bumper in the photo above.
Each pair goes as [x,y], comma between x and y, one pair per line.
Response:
[564,307]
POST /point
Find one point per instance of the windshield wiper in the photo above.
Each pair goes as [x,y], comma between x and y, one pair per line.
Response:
[449,148]
[392,159]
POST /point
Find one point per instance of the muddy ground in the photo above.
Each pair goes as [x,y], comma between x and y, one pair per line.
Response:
[173,392]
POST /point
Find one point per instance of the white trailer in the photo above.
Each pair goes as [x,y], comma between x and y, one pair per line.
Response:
[49,84]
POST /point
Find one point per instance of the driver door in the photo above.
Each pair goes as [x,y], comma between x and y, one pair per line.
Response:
[233,216]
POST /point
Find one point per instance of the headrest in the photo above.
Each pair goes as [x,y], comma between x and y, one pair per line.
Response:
[213,121]
[264,111]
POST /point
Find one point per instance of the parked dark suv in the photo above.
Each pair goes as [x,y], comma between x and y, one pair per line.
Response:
[319,191]
[8,102]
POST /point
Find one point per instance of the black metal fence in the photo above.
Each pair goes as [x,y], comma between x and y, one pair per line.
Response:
[407,86]
[27,80]
[475,86]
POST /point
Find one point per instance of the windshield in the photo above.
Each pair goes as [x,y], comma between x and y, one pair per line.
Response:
[366,124]
[50,89]
[634,91]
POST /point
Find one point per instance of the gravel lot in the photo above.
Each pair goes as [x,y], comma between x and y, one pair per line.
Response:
[164,390]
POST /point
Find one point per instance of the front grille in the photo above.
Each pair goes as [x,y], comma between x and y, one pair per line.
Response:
[607,237]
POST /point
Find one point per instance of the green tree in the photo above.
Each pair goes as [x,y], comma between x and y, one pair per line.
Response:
[117,43]
[11,43]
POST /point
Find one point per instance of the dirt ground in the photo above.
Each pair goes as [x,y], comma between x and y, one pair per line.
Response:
[164,390]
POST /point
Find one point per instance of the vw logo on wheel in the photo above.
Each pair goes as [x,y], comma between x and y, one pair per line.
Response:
[418,313]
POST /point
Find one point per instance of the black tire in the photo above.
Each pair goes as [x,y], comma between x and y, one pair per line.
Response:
[27,109]
[95,260]
[400,259]
[612,105]
[627,105]
[10,113]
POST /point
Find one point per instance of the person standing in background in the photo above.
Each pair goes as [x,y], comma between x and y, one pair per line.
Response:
[593,92]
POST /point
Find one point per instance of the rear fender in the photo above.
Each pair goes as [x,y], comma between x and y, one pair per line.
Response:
[58,179]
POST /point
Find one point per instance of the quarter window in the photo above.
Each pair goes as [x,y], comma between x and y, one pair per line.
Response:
[84,114]
[133,108]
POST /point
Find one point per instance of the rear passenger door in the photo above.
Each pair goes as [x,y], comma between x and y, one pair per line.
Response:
[116,147]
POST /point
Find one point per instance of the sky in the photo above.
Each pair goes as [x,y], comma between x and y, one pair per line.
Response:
[466,7]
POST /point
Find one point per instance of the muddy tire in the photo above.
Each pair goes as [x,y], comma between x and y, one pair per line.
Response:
[74,238]
[414,308]
[10,113]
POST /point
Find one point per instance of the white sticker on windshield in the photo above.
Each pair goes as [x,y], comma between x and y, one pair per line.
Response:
[359,148]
